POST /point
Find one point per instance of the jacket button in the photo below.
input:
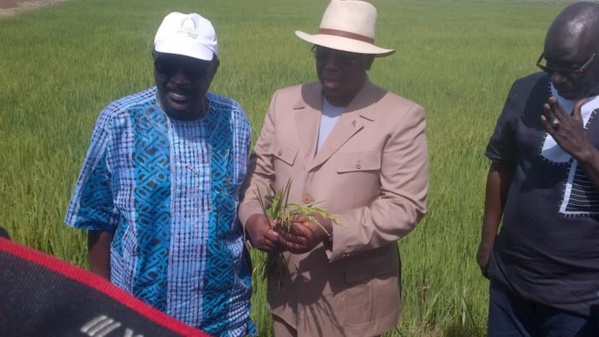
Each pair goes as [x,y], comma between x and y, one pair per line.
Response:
[307,199]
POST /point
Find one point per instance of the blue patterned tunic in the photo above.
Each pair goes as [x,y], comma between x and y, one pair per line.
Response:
[170,190]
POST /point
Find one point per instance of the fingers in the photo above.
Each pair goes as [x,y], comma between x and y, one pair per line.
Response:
[267,245]
[555,116]
[276,240]
[294,237]
[296,227]
[297,239]
[576,111]
[301,218]
[555,113]
[557,109]
[261,234]
[271,235]
[554,109]
[550,127]
[296,233]
[299,247]
[484,272]
[295,248]
[551,111]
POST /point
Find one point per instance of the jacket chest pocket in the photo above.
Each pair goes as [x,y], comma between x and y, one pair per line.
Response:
[359,162]
[284,151]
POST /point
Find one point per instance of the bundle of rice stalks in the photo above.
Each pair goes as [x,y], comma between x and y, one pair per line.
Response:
[284,214]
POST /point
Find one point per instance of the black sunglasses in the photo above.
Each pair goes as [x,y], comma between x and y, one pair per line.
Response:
[345,59]
[170,65]
[568,71]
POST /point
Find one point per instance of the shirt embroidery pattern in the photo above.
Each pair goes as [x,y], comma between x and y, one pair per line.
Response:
[170,190]
[580,196]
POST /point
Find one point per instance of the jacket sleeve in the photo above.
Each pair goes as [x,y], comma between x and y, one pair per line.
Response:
[261,174]
[402,199]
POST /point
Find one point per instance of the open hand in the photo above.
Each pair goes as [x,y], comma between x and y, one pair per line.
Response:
[568,131]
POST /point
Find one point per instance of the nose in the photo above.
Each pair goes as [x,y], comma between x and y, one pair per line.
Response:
[180,77]
[331,62]
[558,78]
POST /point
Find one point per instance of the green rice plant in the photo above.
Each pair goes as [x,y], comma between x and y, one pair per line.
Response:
[283,214]
[456,58]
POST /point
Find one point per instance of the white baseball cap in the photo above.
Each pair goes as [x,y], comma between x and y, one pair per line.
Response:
[186,34]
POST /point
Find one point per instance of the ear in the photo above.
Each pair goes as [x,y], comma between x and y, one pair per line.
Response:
[213,70]
[369,62]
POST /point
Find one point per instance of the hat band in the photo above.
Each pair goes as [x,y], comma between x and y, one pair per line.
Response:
[348,35]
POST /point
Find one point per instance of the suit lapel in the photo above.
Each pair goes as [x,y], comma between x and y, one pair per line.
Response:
[359,112]
[308,111]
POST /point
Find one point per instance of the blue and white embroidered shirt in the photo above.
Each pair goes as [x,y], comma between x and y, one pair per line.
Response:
[170,190]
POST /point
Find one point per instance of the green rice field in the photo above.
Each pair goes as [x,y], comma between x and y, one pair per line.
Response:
[61,65]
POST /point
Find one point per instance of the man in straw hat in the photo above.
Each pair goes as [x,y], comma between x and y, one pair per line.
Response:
[359,152]
[159,188]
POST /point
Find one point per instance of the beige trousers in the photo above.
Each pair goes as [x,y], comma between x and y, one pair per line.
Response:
[282,329]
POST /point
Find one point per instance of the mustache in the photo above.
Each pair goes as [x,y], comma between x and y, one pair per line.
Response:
[179,90]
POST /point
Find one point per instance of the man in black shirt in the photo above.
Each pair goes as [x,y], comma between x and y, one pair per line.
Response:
[544,182]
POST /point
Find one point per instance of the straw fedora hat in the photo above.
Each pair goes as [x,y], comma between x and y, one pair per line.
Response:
[347,25]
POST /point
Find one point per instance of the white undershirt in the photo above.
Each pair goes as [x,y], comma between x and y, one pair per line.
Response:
[328,119]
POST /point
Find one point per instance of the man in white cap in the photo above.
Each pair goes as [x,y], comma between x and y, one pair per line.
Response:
[360,152]
[160,186]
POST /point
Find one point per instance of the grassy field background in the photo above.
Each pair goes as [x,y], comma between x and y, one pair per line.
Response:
[62,64]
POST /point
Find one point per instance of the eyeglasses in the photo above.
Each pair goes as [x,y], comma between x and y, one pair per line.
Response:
[170,65]
[344,59]
[574,70]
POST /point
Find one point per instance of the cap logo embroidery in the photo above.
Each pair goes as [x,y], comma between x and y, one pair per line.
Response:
[188,26]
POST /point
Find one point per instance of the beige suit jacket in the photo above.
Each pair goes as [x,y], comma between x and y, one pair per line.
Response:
[372,171]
